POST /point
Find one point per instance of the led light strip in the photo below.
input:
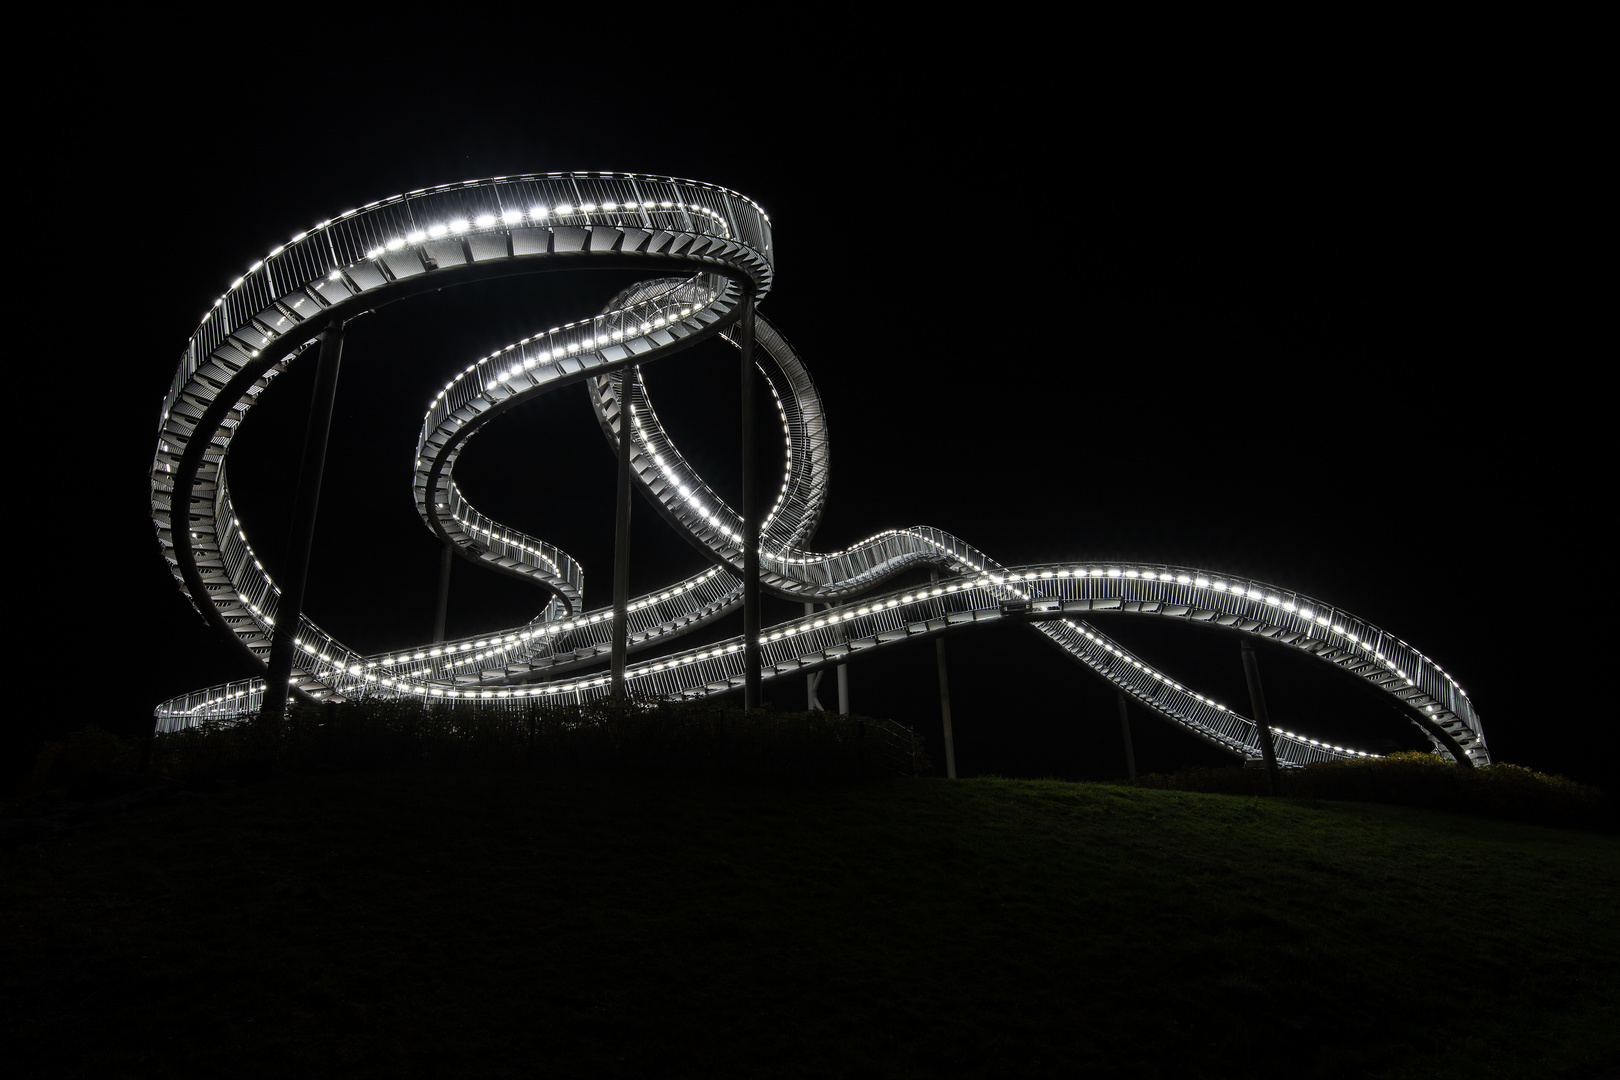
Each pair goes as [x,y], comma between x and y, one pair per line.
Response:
[721,241]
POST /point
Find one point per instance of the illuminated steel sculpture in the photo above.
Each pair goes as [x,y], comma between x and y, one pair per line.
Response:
[707,251]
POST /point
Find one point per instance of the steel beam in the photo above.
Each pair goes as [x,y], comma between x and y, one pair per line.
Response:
[1262,719]
[621,545]
[1125,730]
[301,537]
[441,611]
[750,512]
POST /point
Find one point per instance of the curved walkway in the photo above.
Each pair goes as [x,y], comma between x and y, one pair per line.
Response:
[705,250]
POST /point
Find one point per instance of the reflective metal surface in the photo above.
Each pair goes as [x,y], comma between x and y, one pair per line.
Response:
[705,250]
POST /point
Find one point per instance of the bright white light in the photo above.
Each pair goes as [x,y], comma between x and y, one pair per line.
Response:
[484,221]
[512,217]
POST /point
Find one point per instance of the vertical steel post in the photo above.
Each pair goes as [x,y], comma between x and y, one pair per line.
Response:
[301,536]
[621,547]
[813,679]
[442,611]
[1257,700]
[944,695]
[750,514]
[843,677]
[945,710]
[1125,729]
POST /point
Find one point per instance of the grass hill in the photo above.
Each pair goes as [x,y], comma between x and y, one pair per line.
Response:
[515,923]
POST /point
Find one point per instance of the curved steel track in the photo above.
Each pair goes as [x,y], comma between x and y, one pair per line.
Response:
[704,250]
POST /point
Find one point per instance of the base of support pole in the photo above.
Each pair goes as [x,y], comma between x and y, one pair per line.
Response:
[945,710]
[621,548]
[750,513]
[1262,719]
[1125,729]
[301,533]
[441,612]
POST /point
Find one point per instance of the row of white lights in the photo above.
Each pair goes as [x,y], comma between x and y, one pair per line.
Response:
[1202,582]
[537,213]
[575,345]
[514,640]
[908,598]
[542,213]
[1108,646]
[1241,591]
[458,226]
[836,617]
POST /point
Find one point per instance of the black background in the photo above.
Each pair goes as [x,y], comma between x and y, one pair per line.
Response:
[1292,321]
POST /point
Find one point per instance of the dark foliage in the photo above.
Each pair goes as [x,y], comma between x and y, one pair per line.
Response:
[691,740]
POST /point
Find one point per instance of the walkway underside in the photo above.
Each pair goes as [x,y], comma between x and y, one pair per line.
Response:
[706,250]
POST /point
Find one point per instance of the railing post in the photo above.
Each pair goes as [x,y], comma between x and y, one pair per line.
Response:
[301,536]
[750,514]
[621,547]
[1257,700]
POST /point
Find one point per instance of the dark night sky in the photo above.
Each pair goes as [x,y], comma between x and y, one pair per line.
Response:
[1272,324]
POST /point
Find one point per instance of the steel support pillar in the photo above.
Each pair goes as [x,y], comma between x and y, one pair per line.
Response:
[442,611]
[1257,701]
[750,513]
[944,697]
[945,710]
[843,675]
[300,540]
[812,680]
[621,547]
[1125,730]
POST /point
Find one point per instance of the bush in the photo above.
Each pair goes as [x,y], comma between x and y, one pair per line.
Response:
[645,738]
[82,762]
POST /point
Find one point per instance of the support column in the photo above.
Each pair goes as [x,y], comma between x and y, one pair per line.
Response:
[750,514]
[813,679]
[1257,701]
[442,611]
[621,547]
[1125,730]
[843,677]
[944,697]
[302,534]
[945,710]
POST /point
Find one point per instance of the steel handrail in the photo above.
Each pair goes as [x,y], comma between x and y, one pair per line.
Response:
[723,240]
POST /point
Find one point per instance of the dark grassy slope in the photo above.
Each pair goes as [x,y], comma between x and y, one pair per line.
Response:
[497,924]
